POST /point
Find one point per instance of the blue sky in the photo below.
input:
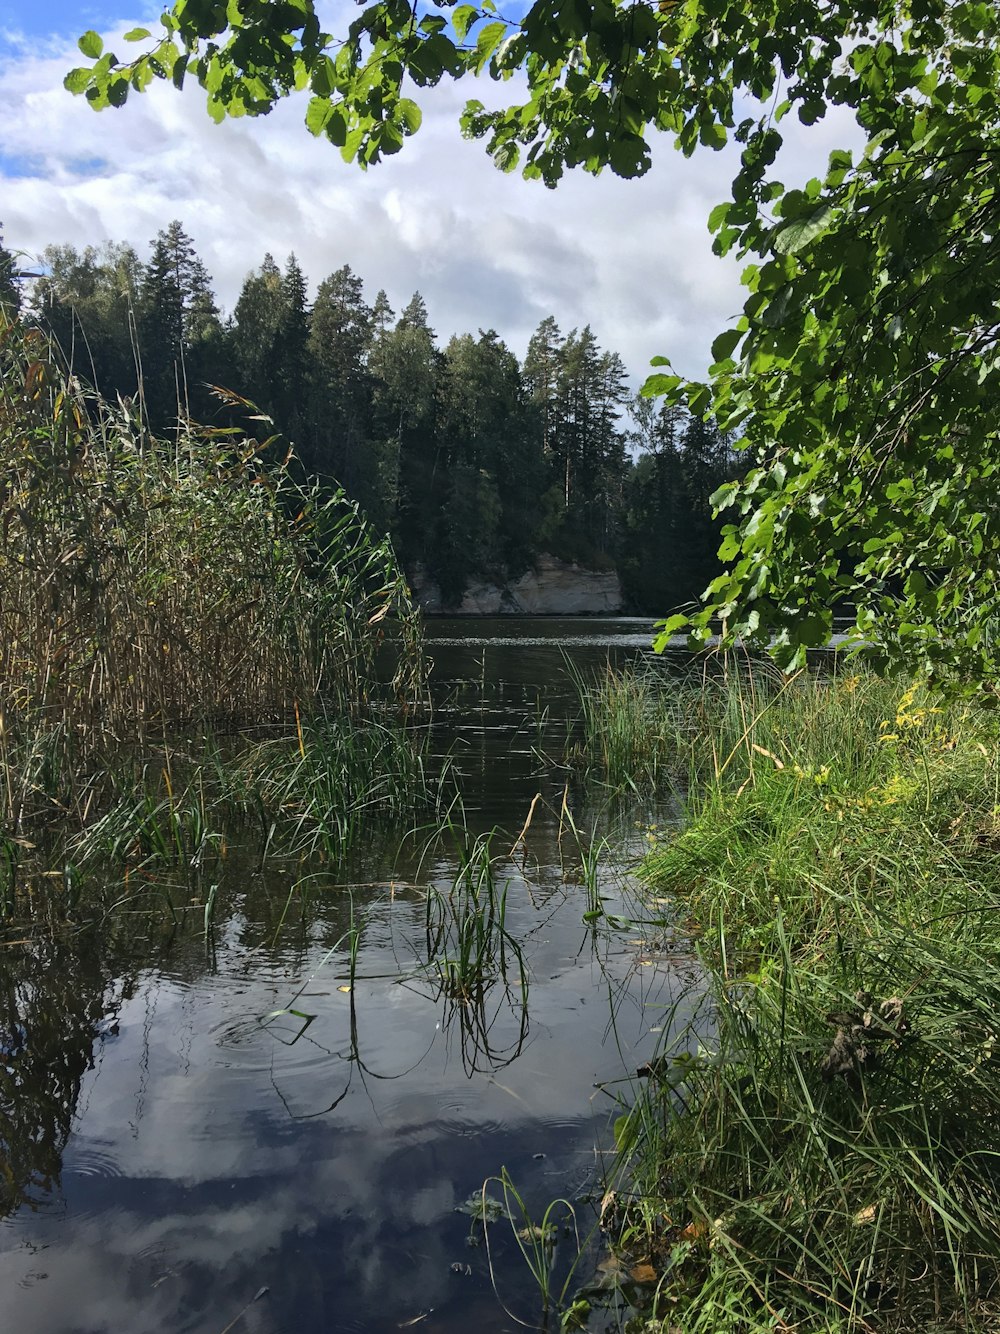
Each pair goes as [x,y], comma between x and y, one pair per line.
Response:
[67,18]
[631,258]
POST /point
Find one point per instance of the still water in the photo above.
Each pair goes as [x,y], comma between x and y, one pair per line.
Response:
[188,1123]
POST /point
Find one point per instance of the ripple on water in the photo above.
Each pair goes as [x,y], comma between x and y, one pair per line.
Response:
[93,1160]
[291,1046]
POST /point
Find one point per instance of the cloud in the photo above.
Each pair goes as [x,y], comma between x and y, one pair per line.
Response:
[631,258]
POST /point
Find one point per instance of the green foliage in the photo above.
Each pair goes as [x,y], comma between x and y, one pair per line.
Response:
[819,1142]
[10,297]
[863,371]
[472,463]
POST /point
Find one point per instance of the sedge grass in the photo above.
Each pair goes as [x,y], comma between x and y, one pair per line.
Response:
[819,1149]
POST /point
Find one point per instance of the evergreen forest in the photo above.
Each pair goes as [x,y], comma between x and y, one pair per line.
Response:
[473,461]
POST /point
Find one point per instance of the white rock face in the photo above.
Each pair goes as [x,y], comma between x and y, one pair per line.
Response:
[552,588]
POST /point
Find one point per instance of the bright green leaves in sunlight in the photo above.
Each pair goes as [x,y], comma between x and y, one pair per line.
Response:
[248,54]
[864,371]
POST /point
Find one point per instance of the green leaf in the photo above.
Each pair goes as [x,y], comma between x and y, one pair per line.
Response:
[489,39]
[713,135]
[660,384]
[795,236]
[118,91]
[462,19]
[77,80]
[718,215]
[91,44]
[410,115]
[318,114]
[725,344]
[137,35]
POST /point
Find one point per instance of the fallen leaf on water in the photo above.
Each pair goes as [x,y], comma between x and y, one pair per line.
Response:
[644,1274]
[405,1324]
[343,988]
[694,1232]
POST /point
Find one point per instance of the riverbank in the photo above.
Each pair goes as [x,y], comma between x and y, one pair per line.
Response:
[818,1148]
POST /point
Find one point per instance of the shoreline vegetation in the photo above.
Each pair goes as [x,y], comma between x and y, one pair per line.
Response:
[195,643]
[189,638]
[818,1149]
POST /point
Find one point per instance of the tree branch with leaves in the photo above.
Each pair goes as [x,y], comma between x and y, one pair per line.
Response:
[864,371]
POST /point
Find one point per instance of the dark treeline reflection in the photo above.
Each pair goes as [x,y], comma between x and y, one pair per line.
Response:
[474,461]
[57,1003]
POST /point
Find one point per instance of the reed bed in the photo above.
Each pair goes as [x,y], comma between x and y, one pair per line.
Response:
[819,1150]
[633,724]
[153,593]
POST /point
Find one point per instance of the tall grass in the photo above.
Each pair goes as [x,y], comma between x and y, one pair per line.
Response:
[820,1148]
[633,723]
[147,588]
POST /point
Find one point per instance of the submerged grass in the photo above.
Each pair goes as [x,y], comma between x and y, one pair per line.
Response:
[820,1148]
[313,792]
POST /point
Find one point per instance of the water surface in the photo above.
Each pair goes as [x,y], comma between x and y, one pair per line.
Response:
[187,1120]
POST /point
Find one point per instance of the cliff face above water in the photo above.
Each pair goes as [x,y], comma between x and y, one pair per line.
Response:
[553,588]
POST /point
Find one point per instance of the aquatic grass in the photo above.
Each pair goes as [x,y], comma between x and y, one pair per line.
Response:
[476,964]
[311,792]
[632,724]
[335,779]
[590,850]
[467,941]
[537,1242]
[824,1136]
[149,588]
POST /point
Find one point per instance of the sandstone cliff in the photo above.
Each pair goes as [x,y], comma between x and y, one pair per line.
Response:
[554,587]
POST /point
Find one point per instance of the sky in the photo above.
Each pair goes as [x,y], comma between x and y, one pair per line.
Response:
[486,250]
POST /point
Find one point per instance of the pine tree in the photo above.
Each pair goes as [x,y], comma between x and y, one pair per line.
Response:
[339,340]
[291,355]
[404,365]
[178,314]
[578,392]
[669,556]
[382,313]
[414,315]
[489,465]
[254,334]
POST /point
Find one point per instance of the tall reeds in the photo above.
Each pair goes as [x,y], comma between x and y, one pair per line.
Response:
[148,586]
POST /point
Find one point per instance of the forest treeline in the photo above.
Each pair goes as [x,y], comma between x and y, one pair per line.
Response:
[473,461]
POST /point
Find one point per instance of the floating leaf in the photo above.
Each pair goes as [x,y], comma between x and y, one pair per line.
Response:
[483,1208]
[644,1274]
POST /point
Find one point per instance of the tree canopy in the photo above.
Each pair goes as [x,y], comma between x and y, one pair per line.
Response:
[864,372]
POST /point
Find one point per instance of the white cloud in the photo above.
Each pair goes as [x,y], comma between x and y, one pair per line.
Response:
[631,258]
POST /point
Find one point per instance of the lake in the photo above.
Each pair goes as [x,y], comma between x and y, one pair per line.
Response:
[274,1124]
